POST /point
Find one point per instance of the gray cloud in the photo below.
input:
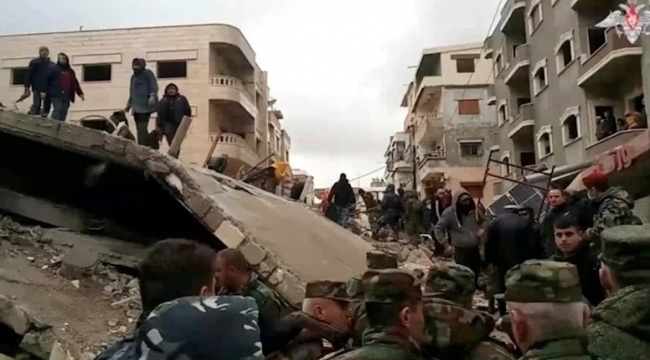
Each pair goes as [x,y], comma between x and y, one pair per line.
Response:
[337,67]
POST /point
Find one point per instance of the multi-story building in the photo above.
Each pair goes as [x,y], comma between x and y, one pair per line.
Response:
[213,65]
[555,74]
[399,168]
[449,122]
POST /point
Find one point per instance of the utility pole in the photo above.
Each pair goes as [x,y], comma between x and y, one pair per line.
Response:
[414,159]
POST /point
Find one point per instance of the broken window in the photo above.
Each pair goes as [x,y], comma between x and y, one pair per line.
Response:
[473,148]
[545,146]
[503,114]
[95,73]
[565,54]
[19,76]
[571,129]
[171,69]
[465,65]
[468,107]
[540,79]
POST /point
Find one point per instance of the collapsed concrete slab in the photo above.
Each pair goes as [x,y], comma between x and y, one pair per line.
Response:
[288,243]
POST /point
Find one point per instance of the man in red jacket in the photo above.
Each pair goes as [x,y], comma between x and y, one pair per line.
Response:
[66,87]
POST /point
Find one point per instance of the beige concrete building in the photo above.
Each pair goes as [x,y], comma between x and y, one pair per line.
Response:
[399,168]
[213,65]
[451,123]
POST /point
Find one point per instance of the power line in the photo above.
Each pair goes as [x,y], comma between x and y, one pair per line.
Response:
[368,173]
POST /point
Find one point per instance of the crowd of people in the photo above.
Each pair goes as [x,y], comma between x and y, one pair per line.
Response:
[53,87]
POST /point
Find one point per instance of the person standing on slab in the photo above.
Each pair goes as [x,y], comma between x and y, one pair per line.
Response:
[143,98]
[171,109]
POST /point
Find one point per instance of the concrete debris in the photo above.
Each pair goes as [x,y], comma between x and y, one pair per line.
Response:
[79,262]
[14,316]
[39,343]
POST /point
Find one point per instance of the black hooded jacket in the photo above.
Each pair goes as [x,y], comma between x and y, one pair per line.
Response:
[172,109]
[342,193]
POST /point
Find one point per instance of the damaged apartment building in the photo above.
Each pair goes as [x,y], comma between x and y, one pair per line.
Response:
[449,126]
[558,78]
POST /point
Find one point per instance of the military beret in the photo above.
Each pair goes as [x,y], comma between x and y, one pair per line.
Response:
[381,260]
[543,281]
[326,289]
[390,286]
[626,249]
[450,280]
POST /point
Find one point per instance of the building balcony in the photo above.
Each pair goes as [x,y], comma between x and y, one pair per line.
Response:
[598,148]
[429,129]
[230,91]
[240,153]
[605,66]
[595,6]
[487,48]
[491,93]
[518,68]
[431,165]
[522,126]
[513,19]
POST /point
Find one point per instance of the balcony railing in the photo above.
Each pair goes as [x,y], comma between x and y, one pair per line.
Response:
[612,43]
[232,82]
[526,112]
[491,94]
[236,147]
[600,147]
[508,11]
[519,61]
[428,123]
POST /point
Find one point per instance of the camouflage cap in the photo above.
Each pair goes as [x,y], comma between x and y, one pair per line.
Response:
[381,260]
[335,290]
[193,328]
[450,280]
[543,281]
[390,286]
[626,249]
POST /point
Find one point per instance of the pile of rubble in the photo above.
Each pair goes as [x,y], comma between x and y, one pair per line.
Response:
[48,288]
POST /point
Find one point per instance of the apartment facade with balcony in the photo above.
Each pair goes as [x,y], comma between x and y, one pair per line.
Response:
[556,73]
[451,119]
[399,164]
[213,65]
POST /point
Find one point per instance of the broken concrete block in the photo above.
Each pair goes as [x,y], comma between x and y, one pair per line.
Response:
[38,343]
[253,253]
[14,316]
[230,235]
[79,262]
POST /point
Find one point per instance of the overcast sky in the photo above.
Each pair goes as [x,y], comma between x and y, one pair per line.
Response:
[338,68]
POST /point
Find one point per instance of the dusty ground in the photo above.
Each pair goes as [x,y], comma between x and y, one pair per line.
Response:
[79,310]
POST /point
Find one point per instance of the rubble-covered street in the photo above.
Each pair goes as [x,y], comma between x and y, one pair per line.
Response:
[47,298]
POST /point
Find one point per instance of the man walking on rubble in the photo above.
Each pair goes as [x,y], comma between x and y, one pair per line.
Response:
[620,325]
[413,215]
[143,96]
[548,315]
[391,212]
[461,224]
[343,198]
[237,278]
[372,208]
[612,206]
[172,108]
[40,78]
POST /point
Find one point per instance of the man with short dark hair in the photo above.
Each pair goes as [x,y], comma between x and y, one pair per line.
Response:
[613,206]
[393,300]
[237,278]
[40,78]
[571,249]
[171,269]
[342,197]
[619,325]
[560,204]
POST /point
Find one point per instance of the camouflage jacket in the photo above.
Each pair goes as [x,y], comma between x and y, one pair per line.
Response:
[620,327]
[370,202]
[359,323]
[382,344]
[569,344]
[270,310]
[315,340]
[453,332]
[612,208]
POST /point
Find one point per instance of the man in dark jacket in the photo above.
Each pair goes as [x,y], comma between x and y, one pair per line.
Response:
[509,242]
[343,196]
[460,224]
[571,249]
[561,204]
[171,110]
[143,95]
[40,79]
[391,211]
[67,87]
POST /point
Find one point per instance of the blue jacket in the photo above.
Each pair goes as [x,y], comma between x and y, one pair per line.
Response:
[41,75]
[143,85]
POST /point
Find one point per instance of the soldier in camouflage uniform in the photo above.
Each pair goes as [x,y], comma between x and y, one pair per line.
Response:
[193,328]
[413,216]
[611,204]
[393,300]
[620,326]
[453,330]
[372,208]
[237,278]
[324,321]
[376,260]
[548,315]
